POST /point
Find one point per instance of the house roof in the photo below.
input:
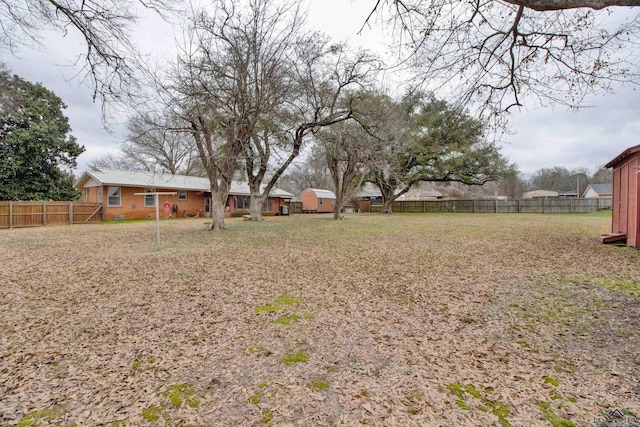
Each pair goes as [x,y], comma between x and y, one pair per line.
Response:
[539,193]
[620,157]
[163,180]
[602,188]
[323,194]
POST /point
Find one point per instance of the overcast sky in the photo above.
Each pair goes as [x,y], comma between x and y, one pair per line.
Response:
[541,138]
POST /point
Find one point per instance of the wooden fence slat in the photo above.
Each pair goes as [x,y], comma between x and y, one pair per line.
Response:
[39,214]
[548,205]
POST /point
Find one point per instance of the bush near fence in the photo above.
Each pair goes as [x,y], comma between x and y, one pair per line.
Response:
[39,214]
[547,205]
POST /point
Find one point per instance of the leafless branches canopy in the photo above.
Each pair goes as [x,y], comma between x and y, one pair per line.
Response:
[252,84]
[103,27]
[500,52]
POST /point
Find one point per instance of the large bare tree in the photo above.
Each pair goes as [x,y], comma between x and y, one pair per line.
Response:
[154,141]
[321,77]
[347,150]
[499,53]
[104,27]
[234,75]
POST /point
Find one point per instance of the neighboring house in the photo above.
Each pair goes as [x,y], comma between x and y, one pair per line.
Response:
[598,190]
[316,200]
[625,207]
[540,194]
[419,195]
[116,190]
[366,196]
[573,194]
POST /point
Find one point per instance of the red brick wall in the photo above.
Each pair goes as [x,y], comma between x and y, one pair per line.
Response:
[132,206]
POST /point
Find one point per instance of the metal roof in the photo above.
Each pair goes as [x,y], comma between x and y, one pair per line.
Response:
[165,180]
[602,188]
[323,194]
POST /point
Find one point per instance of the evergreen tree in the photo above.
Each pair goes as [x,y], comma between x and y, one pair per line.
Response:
[36,145]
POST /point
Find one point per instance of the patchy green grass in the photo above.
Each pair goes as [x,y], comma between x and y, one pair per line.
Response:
[45,415]
[292,358]
[319,385]
[500,410]
[180,394]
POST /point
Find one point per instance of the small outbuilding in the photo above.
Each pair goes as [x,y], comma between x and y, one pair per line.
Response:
[598,190]
[625,222]
[316,200]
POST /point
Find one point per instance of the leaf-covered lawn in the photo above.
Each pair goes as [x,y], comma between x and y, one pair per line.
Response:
[430,320]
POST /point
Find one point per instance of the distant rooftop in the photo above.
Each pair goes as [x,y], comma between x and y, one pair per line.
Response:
[602,188]
[164,180]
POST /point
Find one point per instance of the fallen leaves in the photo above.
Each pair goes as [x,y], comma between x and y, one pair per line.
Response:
[308,321]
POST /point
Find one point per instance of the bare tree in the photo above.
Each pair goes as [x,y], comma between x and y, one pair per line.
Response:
[311,173]
[220,89]
[347,151]
[154,141]
[109,59]
[320,78]
[512,184]
[116,161]
[499,53]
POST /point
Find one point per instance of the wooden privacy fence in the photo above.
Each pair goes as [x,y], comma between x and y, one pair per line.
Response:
[548,205]
[39,214]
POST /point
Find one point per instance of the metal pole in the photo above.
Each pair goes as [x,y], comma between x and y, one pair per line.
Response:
[157,222]
[156,194]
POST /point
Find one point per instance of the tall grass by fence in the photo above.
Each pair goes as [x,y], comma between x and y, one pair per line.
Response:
[39,214]
[548,205]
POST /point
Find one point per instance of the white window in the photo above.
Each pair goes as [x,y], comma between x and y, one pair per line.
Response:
[113,196]
[182,195]
[100,194]
[150,200]
[87,195]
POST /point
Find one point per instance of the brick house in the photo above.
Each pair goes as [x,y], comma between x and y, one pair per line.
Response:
[116,189]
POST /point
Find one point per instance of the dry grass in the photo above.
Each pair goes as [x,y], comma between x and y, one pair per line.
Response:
[431,320]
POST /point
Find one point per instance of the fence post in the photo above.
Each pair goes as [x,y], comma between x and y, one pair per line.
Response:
[473,209]
[71,213]
[424,208]
[44,214]
[10,215]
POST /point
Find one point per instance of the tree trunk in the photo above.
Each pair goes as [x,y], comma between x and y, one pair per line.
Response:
[337,211]
[218,202]
[386,204]
[255,208]
[217,212]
